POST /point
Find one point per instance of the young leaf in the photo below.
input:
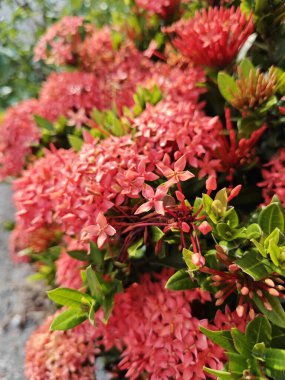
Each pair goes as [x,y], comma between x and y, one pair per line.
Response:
[157,234]
[67,320]
[75,142]
[181,281]
[223,338]
[227,86]
[71,298]
[220,374]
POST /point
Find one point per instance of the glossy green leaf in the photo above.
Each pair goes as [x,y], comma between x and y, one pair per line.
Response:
[68,320]
[223,338]
[275,359]
[70,297]
[157,234]
[240,342]
[181,281]
[271,217]
[258,331]
[137,250]
[251,265]
[223,375]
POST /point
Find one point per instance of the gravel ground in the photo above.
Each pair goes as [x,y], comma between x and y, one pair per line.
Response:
[23,305]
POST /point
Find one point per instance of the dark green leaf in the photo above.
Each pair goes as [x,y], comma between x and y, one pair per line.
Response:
[258,331]
[157,234]
[79,255]
[137,250]
[251,265]
[276,315]
[43,123]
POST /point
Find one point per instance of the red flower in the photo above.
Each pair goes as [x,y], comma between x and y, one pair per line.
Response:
[101,230]
[213,37]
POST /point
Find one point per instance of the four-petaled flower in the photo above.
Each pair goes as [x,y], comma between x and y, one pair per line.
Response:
[101,230]
[176,175]
[154,199]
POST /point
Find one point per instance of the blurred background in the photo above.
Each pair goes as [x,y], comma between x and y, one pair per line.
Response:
[21,24]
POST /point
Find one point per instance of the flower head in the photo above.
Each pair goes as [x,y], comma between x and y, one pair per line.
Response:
[18,132]
[61,355]
[163,8]
[212,37]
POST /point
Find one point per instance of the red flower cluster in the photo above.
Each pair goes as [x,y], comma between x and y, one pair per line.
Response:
[212,37]
[274,178]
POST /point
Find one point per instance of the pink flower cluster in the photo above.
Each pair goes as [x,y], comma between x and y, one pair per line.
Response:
[18,133]
[158,333]
[163,8]
[274,178]
[61,355]
[212,37]
[61,42]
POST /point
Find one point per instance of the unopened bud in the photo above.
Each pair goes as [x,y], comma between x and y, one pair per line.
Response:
[273,292]
[219,294]
[269,282]
[240,310]
[244,291]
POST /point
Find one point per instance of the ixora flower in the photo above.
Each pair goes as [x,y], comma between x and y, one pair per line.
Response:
[163,8]
[212,37]
[18,132]
[159,333]
[179,129]
[101,230]
[61,355]
[274,178]
[61,42]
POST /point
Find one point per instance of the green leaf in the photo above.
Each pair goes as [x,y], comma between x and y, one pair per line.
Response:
[137,250]
[258,331]
[240,342]
[274,252]
[108,304]
[70,297]
[67,320]
[157,234]
[253,231]
[275,359]
[227,86]
[79,255]
[221,374]
[278,337]
[237,363]
[223,338]
[187,256]
[246,66]
[75,142]
[95,285]
[91,315]
[276,315]
[231,218]
[251,265]
[271,217]
[43,123]
[181,281]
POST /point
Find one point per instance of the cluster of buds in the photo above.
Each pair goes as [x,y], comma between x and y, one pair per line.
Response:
[235,280]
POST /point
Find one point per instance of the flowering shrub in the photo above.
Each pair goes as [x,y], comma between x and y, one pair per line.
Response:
[150,192]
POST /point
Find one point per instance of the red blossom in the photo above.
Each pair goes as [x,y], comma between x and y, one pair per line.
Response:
[163,8]
[176,174]
[212,37]
[154,200]
[101,230]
